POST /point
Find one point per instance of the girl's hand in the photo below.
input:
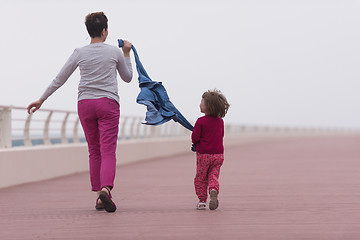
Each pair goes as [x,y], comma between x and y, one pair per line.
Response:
[35,106]
[126,48]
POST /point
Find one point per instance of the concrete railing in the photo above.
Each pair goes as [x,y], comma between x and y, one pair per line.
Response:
[137,142]
[47,126]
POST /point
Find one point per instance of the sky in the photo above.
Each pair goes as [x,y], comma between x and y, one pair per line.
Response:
[278,62]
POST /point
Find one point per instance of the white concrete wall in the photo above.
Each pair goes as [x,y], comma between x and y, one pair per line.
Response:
[29,164]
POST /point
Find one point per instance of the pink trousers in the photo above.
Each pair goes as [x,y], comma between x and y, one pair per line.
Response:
[100,121]
[207,174]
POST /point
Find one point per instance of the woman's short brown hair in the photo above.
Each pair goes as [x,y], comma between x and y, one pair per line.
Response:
[95,23]
[215,103]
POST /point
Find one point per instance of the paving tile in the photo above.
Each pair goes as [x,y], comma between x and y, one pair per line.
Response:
[303,188]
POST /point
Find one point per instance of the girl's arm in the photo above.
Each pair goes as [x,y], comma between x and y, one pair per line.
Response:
[223,130]
[196,133]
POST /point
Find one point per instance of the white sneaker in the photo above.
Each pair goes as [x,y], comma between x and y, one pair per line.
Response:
[201,206]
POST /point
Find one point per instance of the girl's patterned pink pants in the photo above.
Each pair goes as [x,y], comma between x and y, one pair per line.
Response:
[207,174]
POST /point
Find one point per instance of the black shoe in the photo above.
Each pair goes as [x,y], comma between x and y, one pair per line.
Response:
[99,206]
[109,205]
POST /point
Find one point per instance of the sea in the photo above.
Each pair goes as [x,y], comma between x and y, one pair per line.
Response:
[34,142]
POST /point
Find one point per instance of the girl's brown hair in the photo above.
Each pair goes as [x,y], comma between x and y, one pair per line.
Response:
[215,103]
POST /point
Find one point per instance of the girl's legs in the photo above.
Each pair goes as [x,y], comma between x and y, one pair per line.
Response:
[201,178]
[213,179]
[100,119]
[214,171]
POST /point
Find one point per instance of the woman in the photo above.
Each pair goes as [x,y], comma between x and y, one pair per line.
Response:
[98,102]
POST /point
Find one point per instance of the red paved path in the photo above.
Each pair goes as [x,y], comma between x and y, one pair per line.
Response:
[285,189]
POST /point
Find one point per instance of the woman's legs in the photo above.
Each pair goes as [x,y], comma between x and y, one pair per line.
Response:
[108,122]
[100,119]
[88,119]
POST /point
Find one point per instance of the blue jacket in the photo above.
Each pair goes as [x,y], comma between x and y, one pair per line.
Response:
[154,96]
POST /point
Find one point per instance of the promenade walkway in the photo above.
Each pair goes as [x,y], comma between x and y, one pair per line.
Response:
[300,188]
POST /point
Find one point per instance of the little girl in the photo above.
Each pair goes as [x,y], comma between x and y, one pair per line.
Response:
[207,136]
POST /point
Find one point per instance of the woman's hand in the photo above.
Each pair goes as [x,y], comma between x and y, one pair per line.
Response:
[33,107]
[126,48]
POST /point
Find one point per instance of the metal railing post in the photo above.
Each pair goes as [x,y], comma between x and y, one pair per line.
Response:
[138,126]
[63,129]
[27,140]
[5,127]
[75,131]
[122,128]
[132,128]
[46,129]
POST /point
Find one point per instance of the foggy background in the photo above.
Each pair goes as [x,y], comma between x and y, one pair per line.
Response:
[278,62]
